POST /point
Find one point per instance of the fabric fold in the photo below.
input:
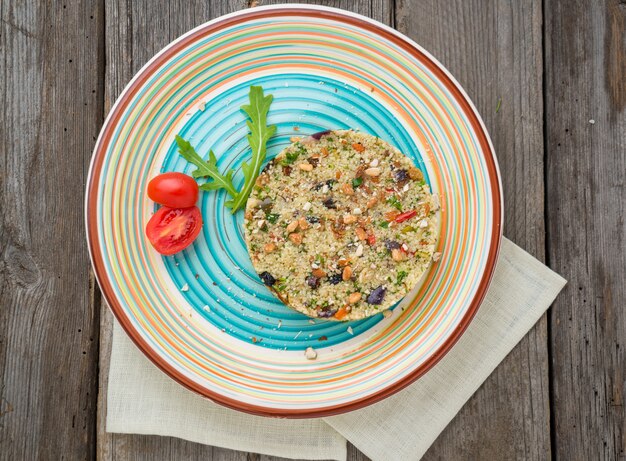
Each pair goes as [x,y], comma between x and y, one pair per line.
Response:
[143,400]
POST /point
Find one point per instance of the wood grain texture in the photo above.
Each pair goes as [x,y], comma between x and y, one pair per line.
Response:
[494,49]
[51,68]
[135,32]
[381,10]
[586,165]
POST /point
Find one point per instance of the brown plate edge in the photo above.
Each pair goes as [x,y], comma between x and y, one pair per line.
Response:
[327,13]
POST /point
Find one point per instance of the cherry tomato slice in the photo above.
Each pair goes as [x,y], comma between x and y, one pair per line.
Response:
[171,230]
[174,190]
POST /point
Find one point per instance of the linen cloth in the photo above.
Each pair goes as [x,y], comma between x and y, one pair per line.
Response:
[143,400]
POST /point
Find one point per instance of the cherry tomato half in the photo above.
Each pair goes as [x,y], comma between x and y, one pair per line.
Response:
[171,230]
[174,190]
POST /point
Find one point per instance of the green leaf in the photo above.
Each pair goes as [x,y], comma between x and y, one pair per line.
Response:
[394,202]
[290,158]
[260,133]
[272,217]
[356,182]
[206,169]
[401,275]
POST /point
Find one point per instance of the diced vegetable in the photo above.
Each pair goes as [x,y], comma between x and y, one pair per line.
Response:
[405,216]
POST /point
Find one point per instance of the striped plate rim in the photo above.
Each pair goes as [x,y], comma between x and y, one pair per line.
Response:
[266,12]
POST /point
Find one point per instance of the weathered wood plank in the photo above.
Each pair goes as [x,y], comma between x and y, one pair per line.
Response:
[136,31]
[586,165]
[494,49]
[51,74]
[381,10]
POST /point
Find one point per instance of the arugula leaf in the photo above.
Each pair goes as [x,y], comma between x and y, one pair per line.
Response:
[218,181]
[260,133]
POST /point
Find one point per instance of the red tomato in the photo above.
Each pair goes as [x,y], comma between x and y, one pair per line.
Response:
[171,230]
[174,190]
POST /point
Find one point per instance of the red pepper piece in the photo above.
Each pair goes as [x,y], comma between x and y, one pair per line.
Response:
[405,216]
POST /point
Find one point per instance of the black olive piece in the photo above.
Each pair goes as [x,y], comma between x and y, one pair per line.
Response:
[266,204]
[313,282]
[335,279]
[330,183]
[267,278]
[330,203]
[319,134]
[400,175]
[312,219]
[392,245]
[377,295]
[326,314]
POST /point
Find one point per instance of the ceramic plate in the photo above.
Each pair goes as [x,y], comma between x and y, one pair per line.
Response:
[203,316]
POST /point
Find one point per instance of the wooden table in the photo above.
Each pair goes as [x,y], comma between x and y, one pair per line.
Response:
[548,77]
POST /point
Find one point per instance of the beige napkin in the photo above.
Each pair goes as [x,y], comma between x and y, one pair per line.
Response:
[142,400]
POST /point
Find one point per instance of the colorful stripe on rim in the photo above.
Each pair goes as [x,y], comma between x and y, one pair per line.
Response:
[221,336]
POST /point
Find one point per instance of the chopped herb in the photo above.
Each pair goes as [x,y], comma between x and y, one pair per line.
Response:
[384,224]
[272,218]
[356,182]
[290,158]
[394,202]
[498,105]
[401,276]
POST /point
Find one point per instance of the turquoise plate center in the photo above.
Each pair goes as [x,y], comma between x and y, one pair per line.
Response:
[215,274]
